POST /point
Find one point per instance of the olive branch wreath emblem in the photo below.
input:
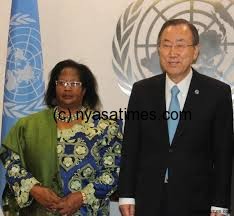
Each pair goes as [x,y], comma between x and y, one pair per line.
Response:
[17,111]
[11,109]
[122,65]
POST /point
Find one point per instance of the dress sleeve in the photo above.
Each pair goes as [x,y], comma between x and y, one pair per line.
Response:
[106,179]
[18,178]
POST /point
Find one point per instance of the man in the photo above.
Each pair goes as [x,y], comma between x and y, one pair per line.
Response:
[177,166]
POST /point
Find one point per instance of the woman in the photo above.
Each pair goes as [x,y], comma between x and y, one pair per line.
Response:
[64,160]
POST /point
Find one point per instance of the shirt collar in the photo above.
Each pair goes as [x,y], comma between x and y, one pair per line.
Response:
[183,85]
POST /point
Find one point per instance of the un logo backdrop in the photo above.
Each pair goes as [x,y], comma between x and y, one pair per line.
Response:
[134,44]
[24,89]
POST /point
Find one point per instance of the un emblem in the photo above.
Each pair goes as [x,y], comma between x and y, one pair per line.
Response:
[24,89]
[134,45]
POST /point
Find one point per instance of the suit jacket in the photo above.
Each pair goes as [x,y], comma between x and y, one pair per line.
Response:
[199,158]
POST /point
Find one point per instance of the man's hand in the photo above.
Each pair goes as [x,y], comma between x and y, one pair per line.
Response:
[70,204]
[44,196]
[127,210]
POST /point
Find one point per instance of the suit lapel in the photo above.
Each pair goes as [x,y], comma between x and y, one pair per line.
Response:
[162,101]
[190,103]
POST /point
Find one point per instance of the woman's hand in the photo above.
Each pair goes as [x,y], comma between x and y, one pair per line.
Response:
[44,196]
[70,204]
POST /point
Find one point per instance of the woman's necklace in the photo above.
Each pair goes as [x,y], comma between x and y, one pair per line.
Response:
[60,115]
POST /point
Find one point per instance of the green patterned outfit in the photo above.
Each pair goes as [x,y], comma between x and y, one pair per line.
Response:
[83,158]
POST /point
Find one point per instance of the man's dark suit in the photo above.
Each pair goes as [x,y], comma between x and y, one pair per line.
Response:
[199,158]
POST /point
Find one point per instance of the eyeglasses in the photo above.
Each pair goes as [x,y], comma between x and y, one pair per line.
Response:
[178,47]
[72,84]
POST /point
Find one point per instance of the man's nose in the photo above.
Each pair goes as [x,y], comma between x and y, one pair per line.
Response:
[173,51]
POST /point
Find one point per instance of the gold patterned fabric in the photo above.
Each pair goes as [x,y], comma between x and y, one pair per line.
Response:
[88,158]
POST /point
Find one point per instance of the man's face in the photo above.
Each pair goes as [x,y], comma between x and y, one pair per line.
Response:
[176,51]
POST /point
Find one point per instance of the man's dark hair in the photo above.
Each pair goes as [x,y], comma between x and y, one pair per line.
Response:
[175,22]
[90,99]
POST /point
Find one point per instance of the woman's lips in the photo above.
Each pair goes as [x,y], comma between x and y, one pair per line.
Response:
[67,96]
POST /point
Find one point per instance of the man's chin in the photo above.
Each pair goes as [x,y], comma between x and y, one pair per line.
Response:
[173,71]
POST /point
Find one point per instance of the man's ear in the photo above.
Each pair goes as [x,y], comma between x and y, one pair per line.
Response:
[196,52]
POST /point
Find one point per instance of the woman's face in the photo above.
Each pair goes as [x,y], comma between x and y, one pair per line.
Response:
[69,92]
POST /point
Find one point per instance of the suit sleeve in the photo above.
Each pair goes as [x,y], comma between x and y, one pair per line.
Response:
[222,145]
[130,149]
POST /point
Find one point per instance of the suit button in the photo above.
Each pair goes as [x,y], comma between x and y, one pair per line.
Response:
[170,150]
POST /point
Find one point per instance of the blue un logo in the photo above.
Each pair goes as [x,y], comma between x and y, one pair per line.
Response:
[24,87]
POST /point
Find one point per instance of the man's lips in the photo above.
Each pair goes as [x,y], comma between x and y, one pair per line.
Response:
[173,63]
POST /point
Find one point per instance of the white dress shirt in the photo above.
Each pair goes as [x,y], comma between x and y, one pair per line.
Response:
[183,86]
